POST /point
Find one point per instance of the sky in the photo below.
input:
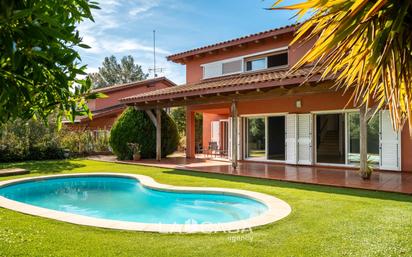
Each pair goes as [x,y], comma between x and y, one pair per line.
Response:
[125,27]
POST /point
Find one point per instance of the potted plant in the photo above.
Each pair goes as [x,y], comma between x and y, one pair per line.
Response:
[135,148]
[366,175]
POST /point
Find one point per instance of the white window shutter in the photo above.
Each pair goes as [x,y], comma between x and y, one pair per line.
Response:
[212,70]
[291,138]
[229,134]
[389,144]
[305,139]
[215,137]
[239,137]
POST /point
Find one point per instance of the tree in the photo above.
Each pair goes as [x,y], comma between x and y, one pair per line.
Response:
[135,126]
[39,63]
[112,72]
[178,114]
[368,45]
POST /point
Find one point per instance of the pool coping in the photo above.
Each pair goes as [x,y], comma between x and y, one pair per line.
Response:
[277,209]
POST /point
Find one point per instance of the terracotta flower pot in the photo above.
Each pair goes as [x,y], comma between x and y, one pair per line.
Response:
[136,157]
[366,175]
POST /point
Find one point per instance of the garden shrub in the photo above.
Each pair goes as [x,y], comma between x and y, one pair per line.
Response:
[34,140]
[29,140]
[135,126]
[85,142]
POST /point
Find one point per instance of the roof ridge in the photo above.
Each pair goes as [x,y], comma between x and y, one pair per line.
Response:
[134,83]
[170,57]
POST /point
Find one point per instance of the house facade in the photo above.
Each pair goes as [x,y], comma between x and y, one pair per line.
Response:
[107,110]
[254,109]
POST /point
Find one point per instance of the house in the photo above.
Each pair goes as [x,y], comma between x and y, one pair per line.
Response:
[106,110]
[256,110]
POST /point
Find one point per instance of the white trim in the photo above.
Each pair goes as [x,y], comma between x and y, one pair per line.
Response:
[276,208]
[247,55]
[335,111]
[315,139]
[242,58]
[398,148]
[262,115]
[245,138]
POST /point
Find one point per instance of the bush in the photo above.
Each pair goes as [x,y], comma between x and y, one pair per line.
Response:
[135,126]
[85,142]
[29,140]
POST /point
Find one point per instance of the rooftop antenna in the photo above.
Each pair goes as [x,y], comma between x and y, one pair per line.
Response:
[155,69]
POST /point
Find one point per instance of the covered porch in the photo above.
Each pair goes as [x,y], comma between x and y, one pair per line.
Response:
[279,118]
[338,177]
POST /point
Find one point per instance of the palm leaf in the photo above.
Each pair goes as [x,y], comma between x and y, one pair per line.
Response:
[366,45]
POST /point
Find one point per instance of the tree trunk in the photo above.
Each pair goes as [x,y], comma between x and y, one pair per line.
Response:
[158,134]
[363,138]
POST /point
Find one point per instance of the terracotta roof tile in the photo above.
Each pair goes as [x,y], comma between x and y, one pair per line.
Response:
[134,84]
[223,84]
[236,41]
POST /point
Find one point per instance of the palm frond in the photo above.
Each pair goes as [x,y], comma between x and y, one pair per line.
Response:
[367,45]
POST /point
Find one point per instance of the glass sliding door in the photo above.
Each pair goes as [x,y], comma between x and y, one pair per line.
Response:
[353,142]
[256,138]
[276,138]
[330,138]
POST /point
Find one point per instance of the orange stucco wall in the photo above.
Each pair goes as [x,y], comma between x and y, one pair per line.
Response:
[207,120]
[310,103]
[99,123]
[107,121]
[406,149]
[114,96]
[194,71]
[286,104]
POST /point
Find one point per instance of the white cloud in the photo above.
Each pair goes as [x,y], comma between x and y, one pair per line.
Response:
[117,32]
[143,6]
[116,45]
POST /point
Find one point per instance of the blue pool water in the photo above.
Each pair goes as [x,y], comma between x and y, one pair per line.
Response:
[125,199]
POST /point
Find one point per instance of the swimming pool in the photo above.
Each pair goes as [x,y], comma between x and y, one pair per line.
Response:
[130,200]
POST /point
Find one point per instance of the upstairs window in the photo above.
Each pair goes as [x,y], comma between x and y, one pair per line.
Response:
[269,61]
[232,67]
[277,60]
[257,64]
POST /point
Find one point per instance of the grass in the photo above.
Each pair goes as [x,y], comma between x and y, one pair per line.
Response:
[325,221]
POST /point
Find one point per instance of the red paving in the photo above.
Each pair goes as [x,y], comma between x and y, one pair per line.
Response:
[400,182]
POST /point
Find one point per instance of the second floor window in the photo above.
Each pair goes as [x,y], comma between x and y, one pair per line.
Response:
[270,61]
[259,61]
[257,64]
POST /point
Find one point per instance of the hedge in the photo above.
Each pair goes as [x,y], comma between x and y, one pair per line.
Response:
[135,126]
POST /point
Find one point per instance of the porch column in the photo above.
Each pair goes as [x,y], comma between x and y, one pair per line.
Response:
[190,134]
[363,138]
[157,121]
[233,111]
[158,134]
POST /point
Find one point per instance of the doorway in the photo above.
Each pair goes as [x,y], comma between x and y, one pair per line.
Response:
[330,138]
[255,138]
[276,138]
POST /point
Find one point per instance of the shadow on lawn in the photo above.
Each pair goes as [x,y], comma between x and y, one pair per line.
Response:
[44,167]
[296,185]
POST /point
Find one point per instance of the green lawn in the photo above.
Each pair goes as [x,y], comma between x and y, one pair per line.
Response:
[325,221]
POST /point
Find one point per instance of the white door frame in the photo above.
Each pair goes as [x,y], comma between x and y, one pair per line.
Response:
[245,137]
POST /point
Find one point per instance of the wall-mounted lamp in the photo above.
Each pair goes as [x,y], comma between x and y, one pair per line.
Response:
[298,103]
